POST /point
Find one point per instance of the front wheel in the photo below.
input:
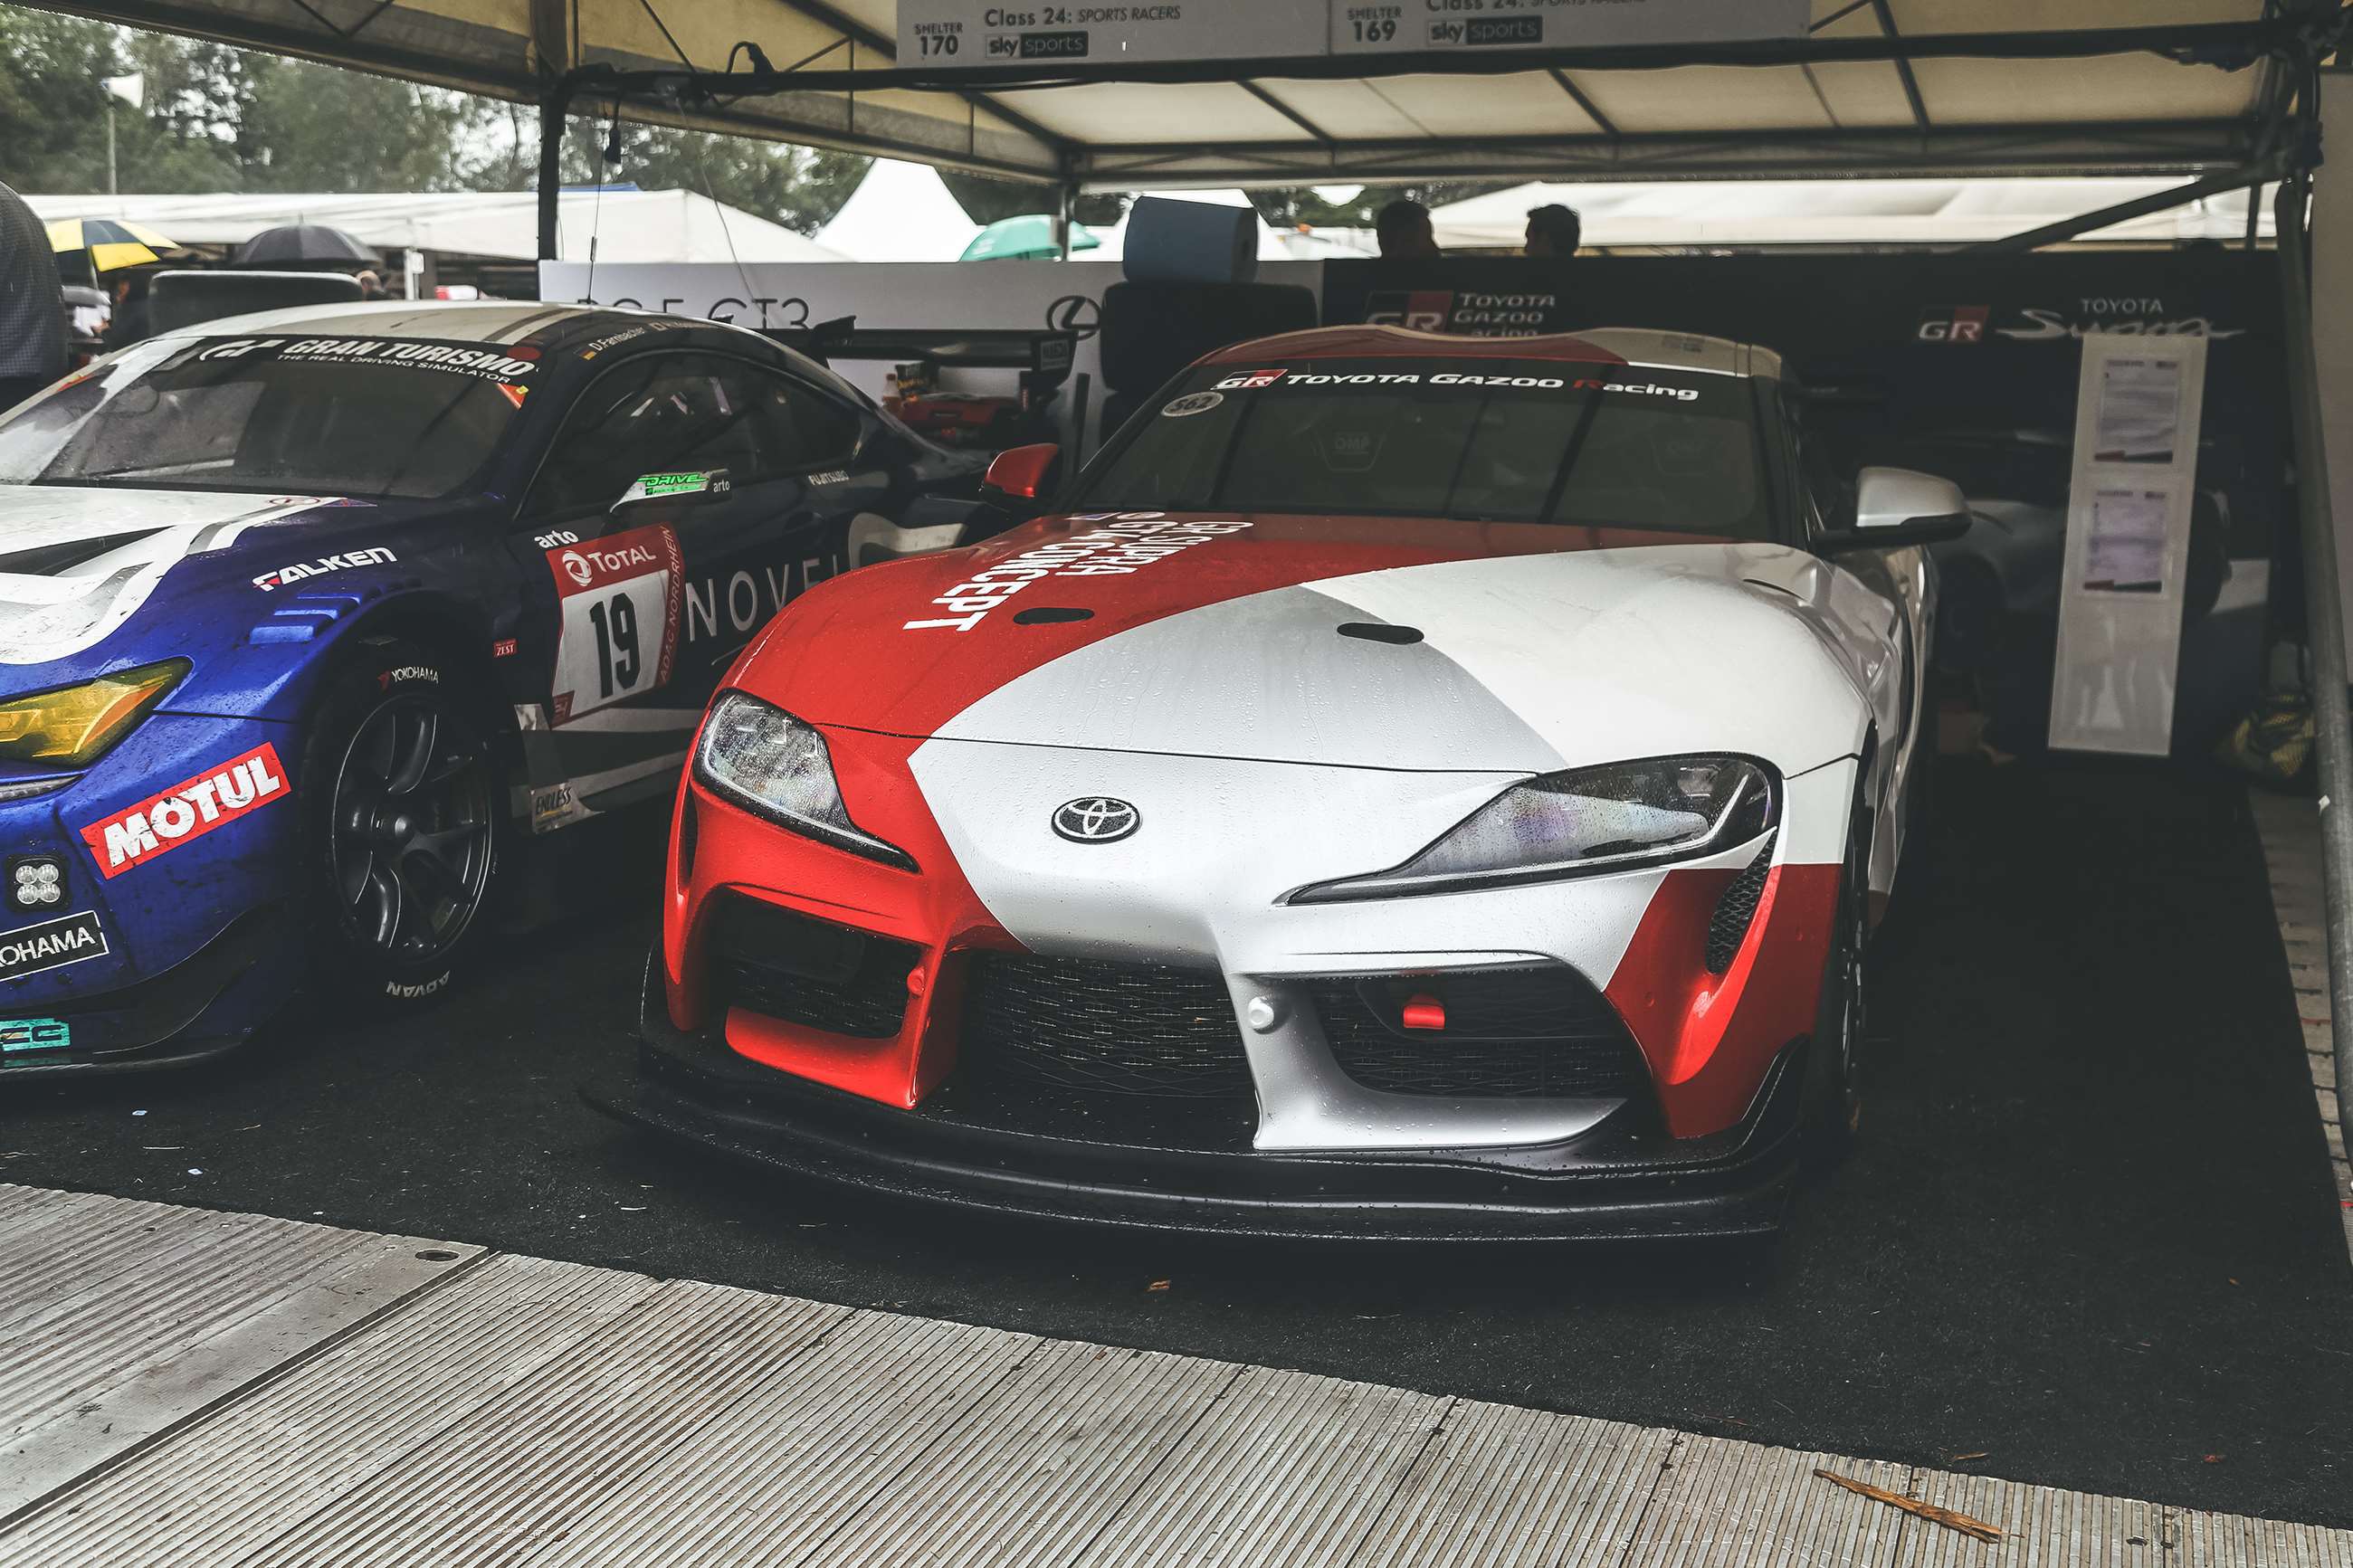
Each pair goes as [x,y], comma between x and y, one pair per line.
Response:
[401,823]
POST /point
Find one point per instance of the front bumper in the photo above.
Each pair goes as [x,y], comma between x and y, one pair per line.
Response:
[1625,1179]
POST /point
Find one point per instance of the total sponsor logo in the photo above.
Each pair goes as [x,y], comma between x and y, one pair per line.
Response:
[1128,542]
[52,944]
[271,582]
[589,564]
[190,809]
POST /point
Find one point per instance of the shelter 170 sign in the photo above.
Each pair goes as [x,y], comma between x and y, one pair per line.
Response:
[952,35]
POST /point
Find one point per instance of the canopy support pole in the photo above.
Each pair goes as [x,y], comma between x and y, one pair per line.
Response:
[2251,177]
[1066,209]
[555,108]
[2323,625]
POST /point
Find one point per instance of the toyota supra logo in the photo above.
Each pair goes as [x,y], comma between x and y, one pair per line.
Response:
[1096,819]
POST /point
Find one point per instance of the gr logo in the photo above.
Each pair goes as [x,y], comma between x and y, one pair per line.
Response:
[1954,323]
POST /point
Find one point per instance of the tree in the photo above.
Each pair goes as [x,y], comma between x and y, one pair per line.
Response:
[799,187]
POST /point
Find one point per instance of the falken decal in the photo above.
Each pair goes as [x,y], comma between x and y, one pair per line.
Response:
[190,809]
[1128,542]
[52,944]
[270,582]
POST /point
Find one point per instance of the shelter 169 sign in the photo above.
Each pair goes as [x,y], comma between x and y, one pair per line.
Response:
[1377,27]
[949,34]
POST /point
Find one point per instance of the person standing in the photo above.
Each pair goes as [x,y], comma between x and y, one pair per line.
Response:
[1554,232]
[1404,231]
[32,304]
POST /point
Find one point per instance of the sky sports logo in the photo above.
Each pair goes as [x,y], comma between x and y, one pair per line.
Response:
[190,809]
[1955,323]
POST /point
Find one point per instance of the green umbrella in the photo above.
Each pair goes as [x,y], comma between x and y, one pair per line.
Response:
[1030,237]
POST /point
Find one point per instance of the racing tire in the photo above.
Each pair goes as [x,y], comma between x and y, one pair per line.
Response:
[1834,1056]
[401,824]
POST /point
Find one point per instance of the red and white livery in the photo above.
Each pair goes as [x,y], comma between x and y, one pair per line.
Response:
[1410,785]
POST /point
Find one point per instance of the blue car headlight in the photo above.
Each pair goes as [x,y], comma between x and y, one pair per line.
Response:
[1581,823]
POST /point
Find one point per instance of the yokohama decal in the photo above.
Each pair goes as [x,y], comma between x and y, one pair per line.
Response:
[162,822]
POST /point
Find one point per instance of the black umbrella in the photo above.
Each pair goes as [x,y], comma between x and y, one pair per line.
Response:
[305,245]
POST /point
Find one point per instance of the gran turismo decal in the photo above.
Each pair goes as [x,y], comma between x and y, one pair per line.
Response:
[190,809]
[485,363]
[1129,541]
[35,1034]
[270,582]
[52,944]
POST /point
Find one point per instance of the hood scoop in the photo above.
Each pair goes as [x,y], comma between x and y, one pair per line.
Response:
[1050,615]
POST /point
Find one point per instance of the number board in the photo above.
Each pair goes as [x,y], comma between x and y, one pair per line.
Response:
[618,600]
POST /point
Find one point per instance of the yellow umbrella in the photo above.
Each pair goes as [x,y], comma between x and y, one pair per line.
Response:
[111,243]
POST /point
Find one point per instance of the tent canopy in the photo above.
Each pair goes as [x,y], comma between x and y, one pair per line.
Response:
[1883,87]
[628,226]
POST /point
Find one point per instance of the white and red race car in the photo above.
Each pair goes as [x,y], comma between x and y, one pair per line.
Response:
[1410,786]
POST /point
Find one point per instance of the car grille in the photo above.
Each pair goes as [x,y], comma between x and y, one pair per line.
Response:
[1135,1029]
[807,972]
[1116,1028]
[1728,926]
[1509,1033]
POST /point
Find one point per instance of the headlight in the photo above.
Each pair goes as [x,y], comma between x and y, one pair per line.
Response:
[762,758]
[1573,823]
[75,726]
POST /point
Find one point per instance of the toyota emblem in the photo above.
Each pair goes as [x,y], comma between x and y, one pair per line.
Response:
[1095,819]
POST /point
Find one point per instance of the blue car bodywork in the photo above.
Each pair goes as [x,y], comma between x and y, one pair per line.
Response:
[157,901]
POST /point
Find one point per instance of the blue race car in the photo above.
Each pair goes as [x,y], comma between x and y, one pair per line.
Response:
[314,623]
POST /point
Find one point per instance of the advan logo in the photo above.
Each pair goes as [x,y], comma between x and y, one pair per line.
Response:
[162,823]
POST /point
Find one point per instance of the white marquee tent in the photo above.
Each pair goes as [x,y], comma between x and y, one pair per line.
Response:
[628,226]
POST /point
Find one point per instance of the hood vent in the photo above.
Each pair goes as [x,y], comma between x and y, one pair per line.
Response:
[1373,631]
[52,560]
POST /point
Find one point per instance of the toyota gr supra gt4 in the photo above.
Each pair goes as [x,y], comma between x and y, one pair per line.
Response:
[310,622]
[1409,786]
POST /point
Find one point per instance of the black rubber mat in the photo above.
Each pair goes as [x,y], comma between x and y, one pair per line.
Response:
[2090,1232]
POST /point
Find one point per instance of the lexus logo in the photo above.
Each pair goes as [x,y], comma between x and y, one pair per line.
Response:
[1095,819]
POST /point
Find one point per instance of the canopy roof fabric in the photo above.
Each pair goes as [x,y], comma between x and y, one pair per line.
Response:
[628,226]
[1777,213]
[1877,86]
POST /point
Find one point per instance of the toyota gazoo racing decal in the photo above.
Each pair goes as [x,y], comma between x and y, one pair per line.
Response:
[189,809]
[1126,542]
[270,581]
[1532,381]
[617,632]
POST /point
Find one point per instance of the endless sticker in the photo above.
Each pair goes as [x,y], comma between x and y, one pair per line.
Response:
[160,823]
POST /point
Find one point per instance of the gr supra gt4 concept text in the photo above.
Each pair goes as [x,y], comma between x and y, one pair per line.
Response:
[1410,786]
[313,623]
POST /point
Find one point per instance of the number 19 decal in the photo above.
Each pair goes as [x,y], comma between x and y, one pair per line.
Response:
[619,601]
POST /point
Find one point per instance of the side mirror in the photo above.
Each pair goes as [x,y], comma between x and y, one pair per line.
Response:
[1024,473]
[690,489]
[1895,508]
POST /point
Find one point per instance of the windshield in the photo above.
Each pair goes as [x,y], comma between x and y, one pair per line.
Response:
[347,417]
[1496,440]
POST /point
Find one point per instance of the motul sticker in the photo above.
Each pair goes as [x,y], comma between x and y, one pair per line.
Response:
[160,823]
[52,944]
